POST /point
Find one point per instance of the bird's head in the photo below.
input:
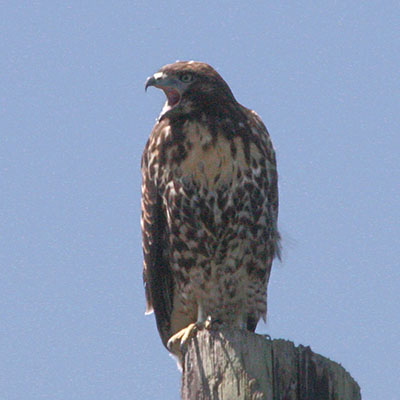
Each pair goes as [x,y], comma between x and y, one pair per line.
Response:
[188,85]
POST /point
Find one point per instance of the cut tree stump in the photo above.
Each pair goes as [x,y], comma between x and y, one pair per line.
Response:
[234,364]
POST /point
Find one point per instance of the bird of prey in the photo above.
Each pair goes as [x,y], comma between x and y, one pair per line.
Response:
[209,207]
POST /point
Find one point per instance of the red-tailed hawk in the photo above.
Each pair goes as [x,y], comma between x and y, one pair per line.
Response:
[209,206]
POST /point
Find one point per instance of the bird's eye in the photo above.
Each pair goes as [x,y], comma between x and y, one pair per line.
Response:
[186,78]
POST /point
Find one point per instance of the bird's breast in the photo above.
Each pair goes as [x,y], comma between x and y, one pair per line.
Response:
[207,156]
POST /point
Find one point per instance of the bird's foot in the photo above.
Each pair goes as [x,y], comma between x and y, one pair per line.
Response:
[178,342]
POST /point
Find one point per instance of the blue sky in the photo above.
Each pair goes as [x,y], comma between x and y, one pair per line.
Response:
[74,119]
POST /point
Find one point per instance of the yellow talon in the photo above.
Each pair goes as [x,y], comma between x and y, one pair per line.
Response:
[189,333]
[181,338]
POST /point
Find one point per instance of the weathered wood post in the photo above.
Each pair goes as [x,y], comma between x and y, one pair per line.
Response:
[232,364]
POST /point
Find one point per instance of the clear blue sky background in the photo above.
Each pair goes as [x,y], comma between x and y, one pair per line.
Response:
[74,119]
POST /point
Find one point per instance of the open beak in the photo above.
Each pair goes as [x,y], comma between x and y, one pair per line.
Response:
[168,85]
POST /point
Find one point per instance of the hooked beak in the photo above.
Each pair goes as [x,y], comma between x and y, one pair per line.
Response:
[158,80]
[150,81]
[170,86]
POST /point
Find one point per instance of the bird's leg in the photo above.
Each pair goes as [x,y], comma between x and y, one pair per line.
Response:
[177,342]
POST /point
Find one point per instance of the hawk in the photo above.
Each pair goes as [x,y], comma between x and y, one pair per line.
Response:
[209,207]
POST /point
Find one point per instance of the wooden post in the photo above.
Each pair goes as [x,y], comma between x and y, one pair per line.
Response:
[240,365]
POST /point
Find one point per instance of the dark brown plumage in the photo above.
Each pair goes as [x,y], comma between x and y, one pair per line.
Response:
[209,205]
